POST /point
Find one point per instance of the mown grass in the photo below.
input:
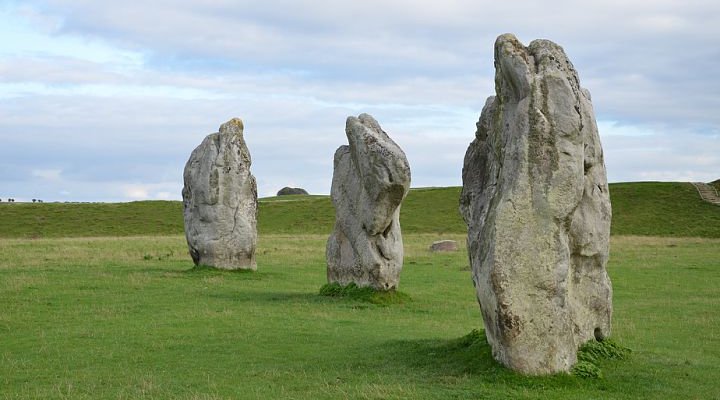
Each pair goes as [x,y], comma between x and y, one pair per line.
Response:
[39,220]
[716,185]
[130,318]
[640,208]
[662,209]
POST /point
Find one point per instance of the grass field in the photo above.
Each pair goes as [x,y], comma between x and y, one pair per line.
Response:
[716,184]
[100,301]
[645,208]
[128,318]
[662,209]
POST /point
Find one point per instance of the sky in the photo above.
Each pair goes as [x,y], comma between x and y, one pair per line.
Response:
[105,101]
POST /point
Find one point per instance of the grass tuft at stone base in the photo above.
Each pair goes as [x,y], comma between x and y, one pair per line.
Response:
[473,338]
[592,353]
[365,294]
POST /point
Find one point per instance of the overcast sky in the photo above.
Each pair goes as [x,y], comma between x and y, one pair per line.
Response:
[105,100]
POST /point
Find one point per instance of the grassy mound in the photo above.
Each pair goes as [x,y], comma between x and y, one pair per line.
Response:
[662,209]
[640,208]
[716,185]
[138,218]
[425,210]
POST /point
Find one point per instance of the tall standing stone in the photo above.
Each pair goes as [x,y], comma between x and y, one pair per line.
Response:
[536,202]
[370,180]
[220,201]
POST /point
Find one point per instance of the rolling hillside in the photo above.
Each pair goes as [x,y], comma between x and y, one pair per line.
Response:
[716,184]
[639,208]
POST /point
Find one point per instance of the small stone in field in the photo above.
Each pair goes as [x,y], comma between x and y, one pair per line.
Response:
[444,245]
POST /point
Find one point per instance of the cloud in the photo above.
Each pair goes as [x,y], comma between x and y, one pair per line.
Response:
[636,70]
[47,174]
[116,95]
[151,191]
[136,192]
[673,156]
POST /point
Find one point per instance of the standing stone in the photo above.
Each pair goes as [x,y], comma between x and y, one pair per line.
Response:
[370,180]
[536,202]
[220,201]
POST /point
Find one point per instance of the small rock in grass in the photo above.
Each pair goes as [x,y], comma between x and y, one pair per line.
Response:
[444,245]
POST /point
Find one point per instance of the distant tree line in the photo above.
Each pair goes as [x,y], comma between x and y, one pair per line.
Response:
[11,200]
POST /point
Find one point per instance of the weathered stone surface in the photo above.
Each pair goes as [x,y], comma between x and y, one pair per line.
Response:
[536,202]
[220,201]
[289,190]
[370,180]
[444,245]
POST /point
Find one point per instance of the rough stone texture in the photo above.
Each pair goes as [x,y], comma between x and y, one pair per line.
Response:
[536,202]
[370,180]
[444,245]
[289,190]
[220,201]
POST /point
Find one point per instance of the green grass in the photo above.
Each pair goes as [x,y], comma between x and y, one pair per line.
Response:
[593,353]
[37,220]
[296,214]
[130,318]
[716,185]
[425,210]
[365,294]
[662,209]
[640,208]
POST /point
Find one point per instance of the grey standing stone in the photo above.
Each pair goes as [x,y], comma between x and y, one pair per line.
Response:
[371,178]
[536,202]
[220,201]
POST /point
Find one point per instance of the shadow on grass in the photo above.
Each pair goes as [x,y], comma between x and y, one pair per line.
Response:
[357,299]
[266,297]
[242,274]
[349,296]
[469,356]
[206,269]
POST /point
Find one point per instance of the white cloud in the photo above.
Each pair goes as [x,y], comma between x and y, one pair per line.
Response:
[663,156]
[47,174]
[27,32]
[615,128]
[662,23]
[136,192]
[116,101]
[147,191]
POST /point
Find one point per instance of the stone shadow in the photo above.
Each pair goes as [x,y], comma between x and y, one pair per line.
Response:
[267,297]
[467,355]
[460,361]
